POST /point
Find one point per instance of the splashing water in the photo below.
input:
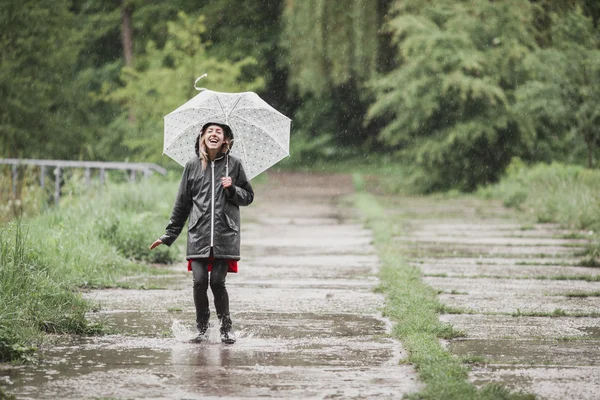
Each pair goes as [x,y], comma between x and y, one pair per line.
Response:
[184,333]
[181,332]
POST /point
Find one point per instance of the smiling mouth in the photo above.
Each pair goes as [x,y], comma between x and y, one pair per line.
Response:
[213,140]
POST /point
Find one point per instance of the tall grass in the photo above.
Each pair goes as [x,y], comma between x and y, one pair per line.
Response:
[33,298]
[557,193]
[564,194]
[29,199]
[91,240]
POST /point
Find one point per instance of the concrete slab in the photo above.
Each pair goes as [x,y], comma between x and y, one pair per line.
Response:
[506,271]
[484,327]
[465,243]
[547,382]
[534,352]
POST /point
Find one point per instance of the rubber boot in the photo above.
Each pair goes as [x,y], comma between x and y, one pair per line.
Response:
[202,325]
[227,335]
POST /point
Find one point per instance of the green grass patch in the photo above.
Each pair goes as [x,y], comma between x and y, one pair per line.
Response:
[552,264]
[5,396]
[91,241]
[414,308]
[586,278]
[33,299]
[579,294]
[558,312]
[556,193]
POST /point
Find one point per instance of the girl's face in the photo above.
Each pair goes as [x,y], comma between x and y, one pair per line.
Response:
[214,137]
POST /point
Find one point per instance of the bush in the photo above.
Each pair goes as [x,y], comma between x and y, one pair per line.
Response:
[565,194]
[558,193]
[131,237]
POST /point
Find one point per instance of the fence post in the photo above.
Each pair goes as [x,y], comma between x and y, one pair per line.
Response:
[57,172]
[14,180]
[101,177]
[132,175]
[87,177]
[42,176]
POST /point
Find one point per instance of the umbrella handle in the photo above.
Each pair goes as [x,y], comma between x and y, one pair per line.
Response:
[196,82]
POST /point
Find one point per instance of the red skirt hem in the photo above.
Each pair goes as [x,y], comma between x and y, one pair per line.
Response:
[232,265]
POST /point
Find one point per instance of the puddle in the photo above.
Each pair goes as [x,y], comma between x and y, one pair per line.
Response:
[305,314]
[336,345]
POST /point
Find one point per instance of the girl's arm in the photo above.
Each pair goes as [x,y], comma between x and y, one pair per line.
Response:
[181,210]
[240,192]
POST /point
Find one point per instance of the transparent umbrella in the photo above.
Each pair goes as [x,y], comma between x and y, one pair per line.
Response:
[261,133]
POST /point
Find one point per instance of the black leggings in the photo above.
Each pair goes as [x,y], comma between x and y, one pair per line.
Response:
[217,285]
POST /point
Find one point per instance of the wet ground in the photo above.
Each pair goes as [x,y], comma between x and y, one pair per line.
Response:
[529,310]
[308,321]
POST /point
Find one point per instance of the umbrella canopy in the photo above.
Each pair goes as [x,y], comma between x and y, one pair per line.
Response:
[261,133]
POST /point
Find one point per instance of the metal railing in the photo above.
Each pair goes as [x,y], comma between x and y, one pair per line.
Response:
[145,168]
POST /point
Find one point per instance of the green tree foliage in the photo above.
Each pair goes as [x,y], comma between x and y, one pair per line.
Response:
[559,102]
[38,82]
[331,50]
[448,104]
[330,42]
[250,28]
[163,80]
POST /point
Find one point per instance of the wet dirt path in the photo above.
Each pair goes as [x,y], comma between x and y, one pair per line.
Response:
[529,310]
[308,321]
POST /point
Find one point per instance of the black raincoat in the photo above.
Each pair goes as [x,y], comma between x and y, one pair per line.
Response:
[214,214]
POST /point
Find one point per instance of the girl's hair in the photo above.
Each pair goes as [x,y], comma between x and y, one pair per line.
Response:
[200,146]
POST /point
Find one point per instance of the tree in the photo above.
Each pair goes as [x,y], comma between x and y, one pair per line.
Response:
[331,50]
[37,69]
[559,104]
[446,106]
[163,80]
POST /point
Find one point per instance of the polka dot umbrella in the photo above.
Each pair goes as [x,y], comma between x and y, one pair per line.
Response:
[261,133]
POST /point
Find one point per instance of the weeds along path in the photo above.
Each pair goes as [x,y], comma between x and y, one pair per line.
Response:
[529,311]
[308,319]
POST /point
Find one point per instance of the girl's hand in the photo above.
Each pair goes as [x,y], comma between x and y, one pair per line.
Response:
[226,182]
[156,243]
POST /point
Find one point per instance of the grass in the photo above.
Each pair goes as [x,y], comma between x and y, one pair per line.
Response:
[90,241]
[579,294]
[555,193]
[414,308]
[5,396]
[34,300]
[558,312]
[586,277]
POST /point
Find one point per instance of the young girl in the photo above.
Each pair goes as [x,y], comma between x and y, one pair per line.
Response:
[212,188]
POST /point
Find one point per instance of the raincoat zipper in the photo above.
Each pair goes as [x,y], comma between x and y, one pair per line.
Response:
[212,205]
